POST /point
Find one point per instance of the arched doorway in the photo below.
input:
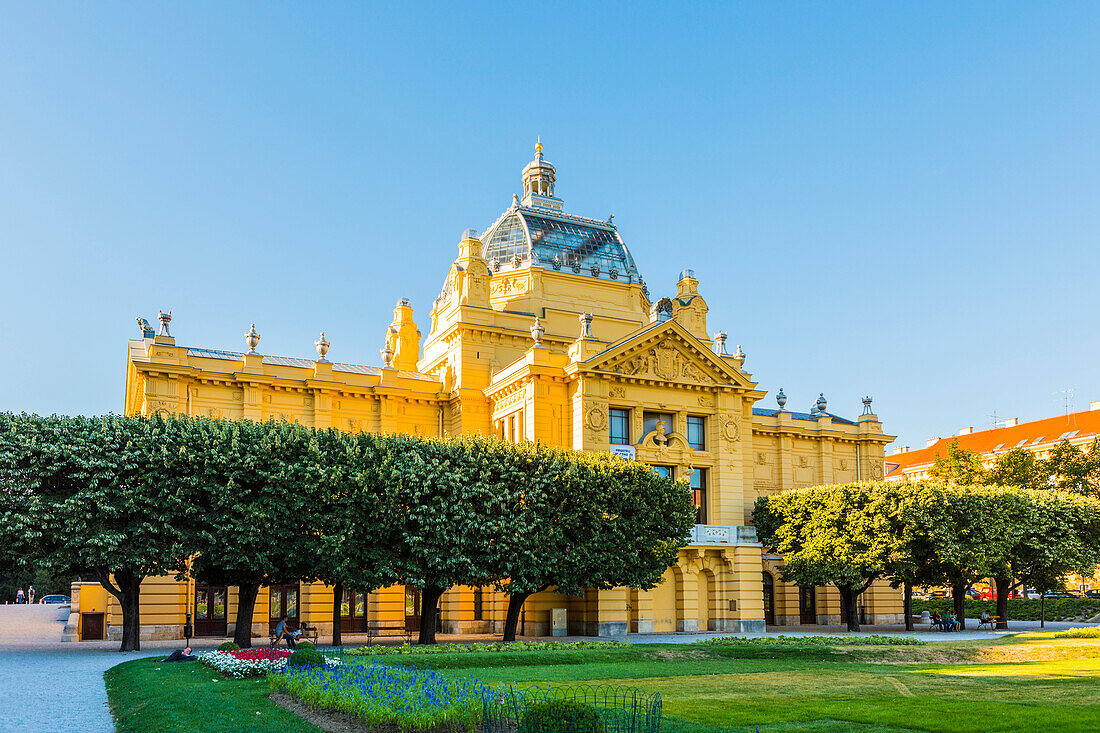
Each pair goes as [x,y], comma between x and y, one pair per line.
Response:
[664,603]
[704,589]
[769,598]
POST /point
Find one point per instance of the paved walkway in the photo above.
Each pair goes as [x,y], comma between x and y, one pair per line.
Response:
[45,682]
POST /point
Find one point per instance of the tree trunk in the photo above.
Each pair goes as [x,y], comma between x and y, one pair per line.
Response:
[429,611]
[907,604]
[515,605]
[128,593]
[246,605]
[848,597]
[1004,587]
[337,597]
[958,595]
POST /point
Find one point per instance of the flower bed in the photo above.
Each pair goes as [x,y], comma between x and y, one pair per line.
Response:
[515,646]
[242,663]
[379,694]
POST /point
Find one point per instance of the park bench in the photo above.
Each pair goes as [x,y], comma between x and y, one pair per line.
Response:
[308,633]
[990,622]
[378,628]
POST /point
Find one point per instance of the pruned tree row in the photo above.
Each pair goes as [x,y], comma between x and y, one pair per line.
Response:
[929,533]
[120,499]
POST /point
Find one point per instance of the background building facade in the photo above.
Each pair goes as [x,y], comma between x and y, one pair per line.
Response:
[544,330]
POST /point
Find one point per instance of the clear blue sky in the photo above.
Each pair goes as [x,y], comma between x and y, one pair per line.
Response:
[898,202]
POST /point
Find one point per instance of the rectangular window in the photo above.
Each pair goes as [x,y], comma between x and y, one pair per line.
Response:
[479,604]
[620,426]
[697,432]
[650,420]
[698,483]
[665,471]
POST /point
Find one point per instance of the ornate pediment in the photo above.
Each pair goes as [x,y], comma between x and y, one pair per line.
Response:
[668,354]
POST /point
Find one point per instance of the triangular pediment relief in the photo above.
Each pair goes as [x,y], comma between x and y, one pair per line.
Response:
[668,353]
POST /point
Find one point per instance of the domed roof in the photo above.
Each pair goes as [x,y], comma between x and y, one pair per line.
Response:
[537,233]
[536,236]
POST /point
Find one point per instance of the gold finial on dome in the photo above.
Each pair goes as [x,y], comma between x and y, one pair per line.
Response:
[538,146]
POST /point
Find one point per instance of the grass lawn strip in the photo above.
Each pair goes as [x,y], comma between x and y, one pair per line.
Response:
[1027,682]
[148,696]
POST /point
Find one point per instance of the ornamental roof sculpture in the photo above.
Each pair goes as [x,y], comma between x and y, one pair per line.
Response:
[535,232]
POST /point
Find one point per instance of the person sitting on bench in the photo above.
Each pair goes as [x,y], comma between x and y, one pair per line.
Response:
[281,633]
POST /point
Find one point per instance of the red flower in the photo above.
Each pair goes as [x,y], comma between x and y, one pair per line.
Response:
[255,655]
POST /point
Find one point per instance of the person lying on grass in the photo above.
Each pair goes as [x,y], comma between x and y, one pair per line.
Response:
[183,655]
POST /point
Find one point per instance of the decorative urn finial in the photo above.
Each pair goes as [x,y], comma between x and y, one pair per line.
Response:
[781,399]
[387,356]
[739,355]
[165,319]
[720,343]
[586,325]
[867,406]
[820,406]
[537,332]
[252,338]
[322,347]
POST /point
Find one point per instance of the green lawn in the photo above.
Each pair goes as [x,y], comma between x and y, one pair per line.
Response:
[147,696]
[1026,683]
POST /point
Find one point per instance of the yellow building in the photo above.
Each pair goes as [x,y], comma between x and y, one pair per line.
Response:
[544,330]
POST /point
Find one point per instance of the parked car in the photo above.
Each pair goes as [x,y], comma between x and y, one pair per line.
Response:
[56,599]
[1092,594]
[1061,594]
[937,594]
[1033,595]
[973,595]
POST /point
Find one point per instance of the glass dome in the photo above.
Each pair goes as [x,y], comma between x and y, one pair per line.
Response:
[526,236]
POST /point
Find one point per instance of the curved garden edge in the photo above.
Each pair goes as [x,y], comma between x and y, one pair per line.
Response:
[333,721]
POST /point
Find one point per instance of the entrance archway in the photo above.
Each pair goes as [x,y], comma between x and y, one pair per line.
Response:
[705,588]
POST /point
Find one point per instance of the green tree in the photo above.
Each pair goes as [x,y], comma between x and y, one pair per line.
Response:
[593,521]
[962,532]
[95,497]
[261,489]
[446,520]
[840,535]
[355,544]
[1019,468]
[1073,469]
[960,467]
[1051,534]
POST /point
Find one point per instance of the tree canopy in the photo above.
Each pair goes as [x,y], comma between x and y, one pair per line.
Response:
[95,497]
[253,504]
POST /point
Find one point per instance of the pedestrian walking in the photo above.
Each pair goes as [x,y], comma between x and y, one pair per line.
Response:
[19,596]
[30,594]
